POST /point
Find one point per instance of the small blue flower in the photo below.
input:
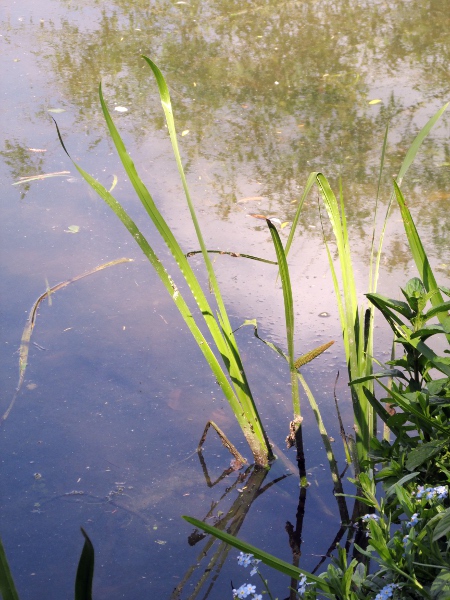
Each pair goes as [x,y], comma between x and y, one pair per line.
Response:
[301,589]
[440,492]
[369,516]
[386,592]
[414,520]
[241,592]
[420,491]
[253,571]
[405,540]
[244,559]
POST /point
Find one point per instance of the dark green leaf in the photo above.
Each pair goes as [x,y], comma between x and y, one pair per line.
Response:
[85,572]
[424,452]
[265,557]
[428,330]
[7,588]
[436,310]
[440,590]
[443,526]
[383,304]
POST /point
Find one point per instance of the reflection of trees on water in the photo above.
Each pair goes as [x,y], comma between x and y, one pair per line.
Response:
[269,90]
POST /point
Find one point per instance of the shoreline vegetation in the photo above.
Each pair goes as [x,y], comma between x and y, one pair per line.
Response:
[398,530]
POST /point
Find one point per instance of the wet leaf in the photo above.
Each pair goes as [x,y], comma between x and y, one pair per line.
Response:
[42,176]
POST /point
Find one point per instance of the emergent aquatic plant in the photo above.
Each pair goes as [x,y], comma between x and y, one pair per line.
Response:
[235,386]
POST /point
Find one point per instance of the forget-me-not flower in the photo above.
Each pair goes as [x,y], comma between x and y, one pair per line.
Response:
[386,592]
[301,587]
[369,516]
[440,492]
[414,520]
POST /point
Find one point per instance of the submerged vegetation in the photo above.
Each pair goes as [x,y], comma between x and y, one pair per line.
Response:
[401,525]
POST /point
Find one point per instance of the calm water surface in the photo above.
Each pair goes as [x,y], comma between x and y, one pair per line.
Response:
[116,394]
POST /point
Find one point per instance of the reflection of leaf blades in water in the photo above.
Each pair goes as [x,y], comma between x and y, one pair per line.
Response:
[39,177]
[268,559]
[26,335]
[231,521]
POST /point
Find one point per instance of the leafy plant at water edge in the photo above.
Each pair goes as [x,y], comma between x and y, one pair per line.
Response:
[235,388]
[357,322]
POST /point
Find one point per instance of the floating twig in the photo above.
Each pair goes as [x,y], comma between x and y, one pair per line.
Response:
[26,335]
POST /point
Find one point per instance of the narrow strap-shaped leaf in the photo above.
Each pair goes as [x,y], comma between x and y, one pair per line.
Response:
[309,184]
[174,293]
[419,254]
[85,571]
[407,161]
[7,588]
[236,368]
[265,557]
[288,312]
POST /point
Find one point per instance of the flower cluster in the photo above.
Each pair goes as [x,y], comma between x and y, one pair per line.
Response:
[301,589]
[386,592]
[245,590]
[440,492]
[244,560]
[369,516]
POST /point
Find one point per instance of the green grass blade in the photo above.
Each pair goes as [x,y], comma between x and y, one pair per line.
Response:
[174,293]
[407,161]
[265,557]
[7,588]
[236,368]
[419,254]
[288,313]
[309,184]
[85,571]
[357,342]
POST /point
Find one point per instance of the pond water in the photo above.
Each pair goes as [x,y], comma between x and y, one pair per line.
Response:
[116,395]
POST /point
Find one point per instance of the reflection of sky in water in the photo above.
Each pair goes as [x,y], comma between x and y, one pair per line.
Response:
[121,393]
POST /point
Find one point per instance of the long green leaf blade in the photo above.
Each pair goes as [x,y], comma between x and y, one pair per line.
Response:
[288,312]
[85,571]
[7,588]
[236,369]
[265,557]
[419,254]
